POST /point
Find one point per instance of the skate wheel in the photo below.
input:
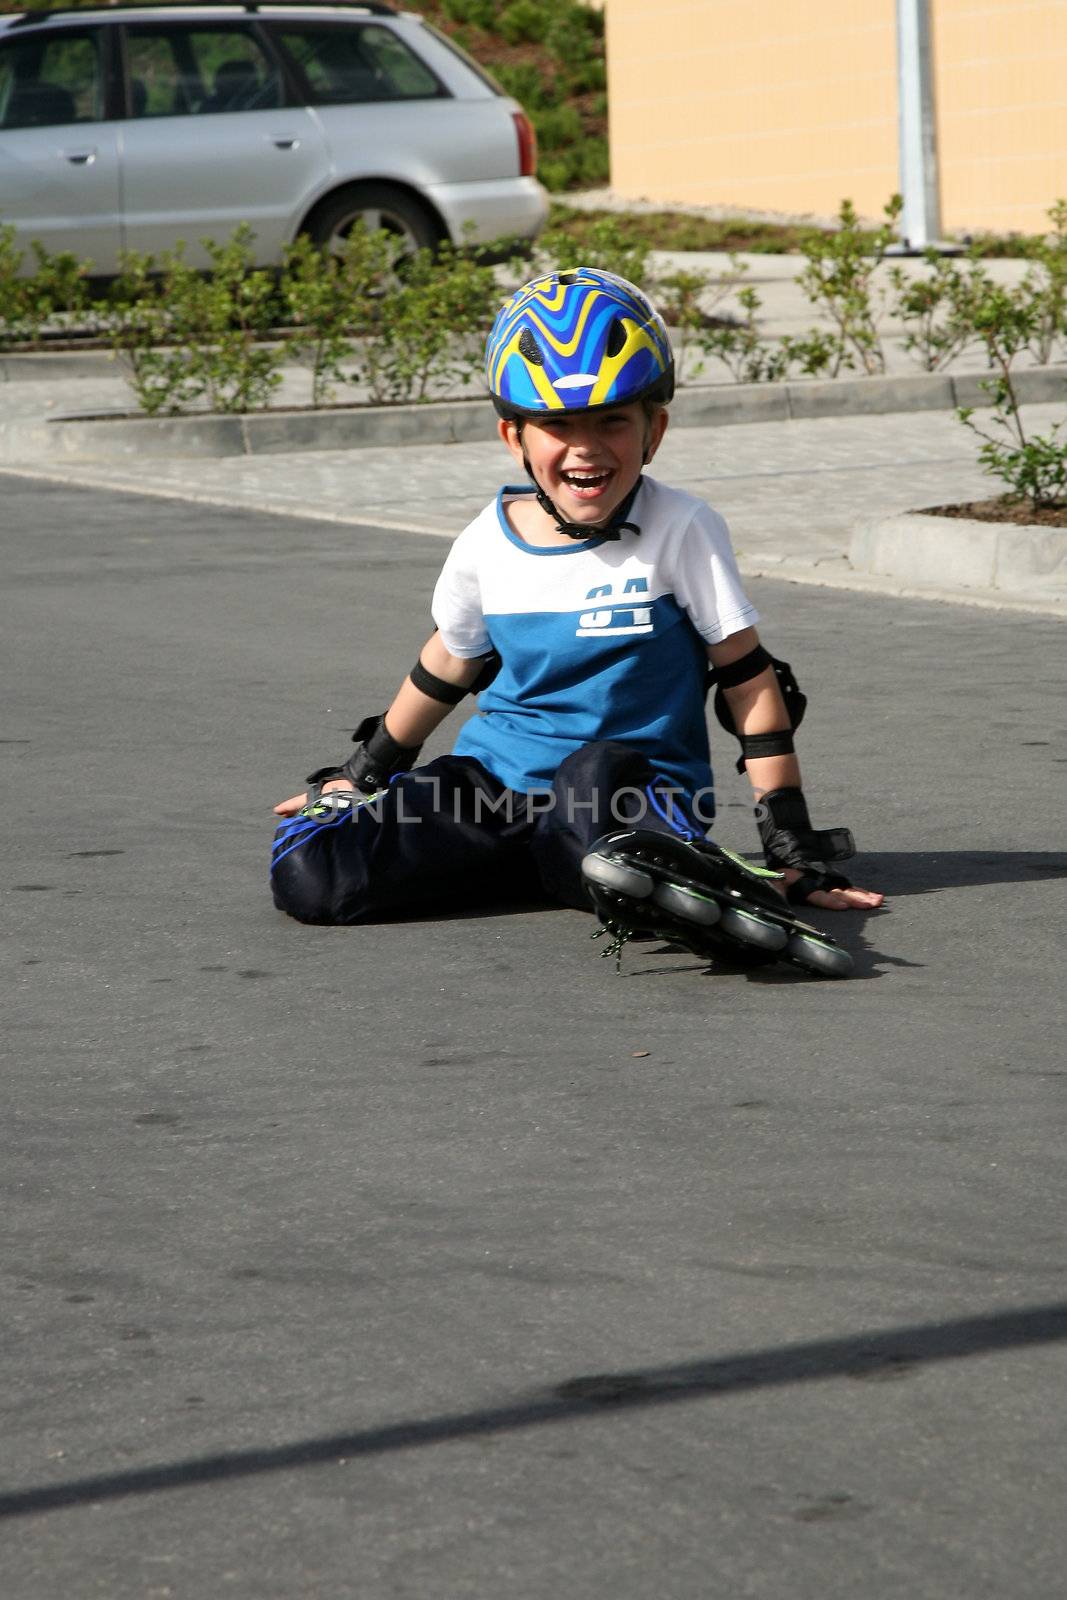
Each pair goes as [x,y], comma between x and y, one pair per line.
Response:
[616,875]
[747,928]
[688,904]
[818,956]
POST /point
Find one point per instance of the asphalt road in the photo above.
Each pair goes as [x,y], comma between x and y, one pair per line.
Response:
[435,1260]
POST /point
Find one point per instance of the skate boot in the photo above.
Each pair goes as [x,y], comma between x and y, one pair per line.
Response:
[701,896]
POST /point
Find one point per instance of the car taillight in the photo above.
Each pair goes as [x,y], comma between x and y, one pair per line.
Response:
[524,130]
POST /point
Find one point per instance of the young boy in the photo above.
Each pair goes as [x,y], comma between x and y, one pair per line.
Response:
[584,609]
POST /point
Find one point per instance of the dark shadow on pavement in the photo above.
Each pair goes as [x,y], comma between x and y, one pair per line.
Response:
[890,1353]
[928,871]
[901,874]
[897,874]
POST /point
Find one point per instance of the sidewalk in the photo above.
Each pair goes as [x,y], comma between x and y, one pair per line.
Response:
[795,493]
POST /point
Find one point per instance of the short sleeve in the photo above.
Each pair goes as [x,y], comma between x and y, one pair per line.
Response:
[457,603]
[705,579]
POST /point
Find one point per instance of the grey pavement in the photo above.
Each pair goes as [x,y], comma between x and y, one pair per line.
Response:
[433,1259]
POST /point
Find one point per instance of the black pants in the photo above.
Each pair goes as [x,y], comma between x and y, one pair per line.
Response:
[448,834]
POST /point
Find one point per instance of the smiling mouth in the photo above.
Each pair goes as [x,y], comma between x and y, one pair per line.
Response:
[586,483]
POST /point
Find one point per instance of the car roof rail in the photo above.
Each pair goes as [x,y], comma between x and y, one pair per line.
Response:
[375,8]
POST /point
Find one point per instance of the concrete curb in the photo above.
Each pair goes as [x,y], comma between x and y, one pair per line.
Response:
[470,421]
[257,433]
[1003,557]
[42,366]
[842,575]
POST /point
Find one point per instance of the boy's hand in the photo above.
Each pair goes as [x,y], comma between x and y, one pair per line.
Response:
[838,899]
[289,808]
[793,847]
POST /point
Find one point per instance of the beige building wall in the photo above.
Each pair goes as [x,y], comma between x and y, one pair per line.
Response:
[774,105]
[1001,69]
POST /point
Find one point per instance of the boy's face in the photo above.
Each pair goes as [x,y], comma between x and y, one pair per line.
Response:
[587,462]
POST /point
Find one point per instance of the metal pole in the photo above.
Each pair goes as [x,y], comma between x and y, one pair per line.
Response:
[920,222]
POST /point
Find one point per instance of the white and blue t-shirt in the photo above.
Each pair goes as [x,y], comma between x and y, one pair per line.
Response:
[600,639]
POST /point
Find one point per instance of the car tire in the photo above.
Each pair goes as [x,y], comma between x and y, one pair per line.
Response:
[378,205]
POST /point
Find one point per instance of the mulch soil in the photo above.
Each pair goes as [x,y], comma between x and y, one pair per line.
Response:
[1003,509]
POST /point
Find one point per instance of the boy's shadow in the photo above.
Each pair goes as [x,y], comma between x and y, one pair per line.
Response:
[897,874]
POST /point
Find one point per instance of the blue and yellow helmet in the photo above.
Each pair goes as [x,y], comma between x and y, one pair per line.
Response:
[577,341]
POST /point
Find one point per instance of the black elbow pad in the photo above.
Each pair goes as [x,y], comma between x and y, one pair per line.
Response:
[750,666]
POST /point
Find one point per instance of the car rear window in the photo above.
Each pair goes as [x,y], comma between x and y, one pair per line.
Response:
[353,65]
[448,43]
[46,82]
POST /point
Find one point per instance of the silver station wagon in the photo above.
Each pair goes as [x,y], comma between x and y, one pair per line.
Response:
[133,128]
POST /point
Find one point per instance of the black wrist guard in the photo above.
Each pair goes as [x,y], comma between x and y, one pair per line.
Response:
[789,840]
[370,767]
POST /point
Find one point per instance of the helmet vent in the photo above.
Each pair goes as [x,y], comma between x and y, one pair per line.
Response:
[567,277]
[529,347]
[616,341]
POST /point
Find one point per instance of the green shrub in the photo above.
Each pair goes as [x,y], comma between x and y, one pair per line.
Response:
[479,13]
[1046,282]
[839,280]
[687,300]
[603,245]
[56,292]
[743,350]
[581,166]
[937,311]
[431,325]
[331,298]
[526,82]
[587,77]
[558,127]
[1032,466]
[186,336]
[524,22]
[575,36]
[678,298]
[10,287]
[568,157]
[593,166]
[227,316]
[163,379]
[749,355]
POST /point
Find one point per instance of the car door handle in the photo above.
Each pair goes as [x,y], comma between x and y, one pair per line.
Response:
[80,158]
[285,141]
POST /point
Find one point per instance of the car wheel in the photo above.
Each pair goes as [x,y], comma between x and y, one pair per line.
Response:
[376,205]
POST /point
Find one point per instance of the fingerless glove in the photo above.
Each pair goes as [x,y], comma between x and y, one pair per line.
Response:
[377,759]
[789,840]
